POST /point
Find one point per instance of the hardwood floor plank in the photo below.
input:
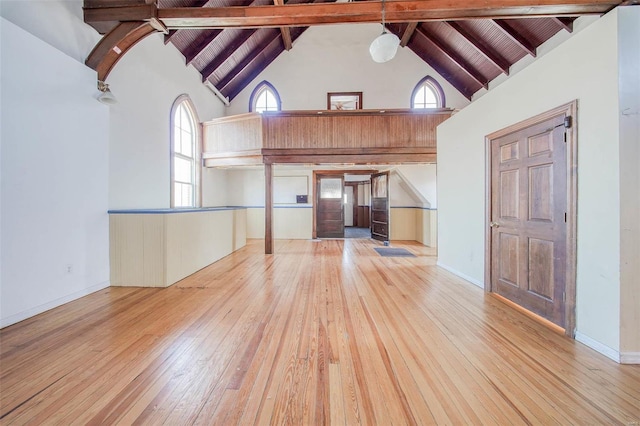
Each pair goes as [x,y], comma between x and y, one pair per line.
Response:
[537,393]
[322,332]
[456,387]
[336,396]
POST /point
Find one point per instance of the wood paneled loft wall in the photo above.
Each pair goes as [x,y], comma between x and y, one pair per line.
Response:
[359,137]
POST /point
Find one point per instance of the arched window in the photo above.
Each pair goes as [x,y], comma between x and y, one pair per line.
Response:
[185,153]
[427,94]
[264,98]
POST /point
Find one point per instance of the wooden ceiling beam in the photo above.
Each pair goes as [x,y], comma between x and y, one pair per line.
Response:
[286,34]
[235,88]
[293,15]
[229,50]
[370,11]
[106,18]
[390,158]
[489,54]
[250,60]
[169,36]
[455,58]
[516,37]
[286,38]
[564,23]
[408,32]
[205,41]
[115,44]
[452,79]
[208,35]
[172,33]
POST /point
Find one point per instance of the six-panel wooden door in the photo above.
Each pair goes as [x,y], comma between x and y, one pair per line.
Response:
[528,218]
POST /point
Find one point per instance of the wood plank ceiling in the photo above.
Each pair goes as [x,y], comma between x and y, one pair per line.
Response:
[468,47]
[230,58]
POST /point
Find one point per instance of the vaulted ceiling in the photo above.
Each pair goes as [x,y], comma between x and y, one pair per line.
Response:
[231,41]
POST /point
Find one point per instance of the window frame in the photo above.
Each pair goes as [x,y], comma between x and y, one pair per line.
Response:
[257,91]
[185,100]
[435,88]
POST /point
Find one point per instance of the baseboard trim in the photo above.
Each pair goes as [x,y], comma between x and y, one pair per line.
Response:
[21,316]
[598,347]
[461,275]
[629,357]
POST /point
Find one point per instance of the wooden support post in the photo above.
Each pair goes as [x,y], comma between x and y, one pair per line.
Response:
[268,209]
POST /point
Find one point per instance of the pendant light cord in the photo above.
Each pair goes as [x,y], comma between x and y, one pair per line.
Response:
[383,16]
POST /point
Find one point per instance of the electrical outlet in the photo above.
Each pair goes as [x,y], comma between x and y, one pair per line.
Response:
[69,268]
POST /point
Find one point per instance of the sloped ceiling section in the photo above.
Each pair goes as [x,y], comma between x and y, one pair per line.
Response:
[230,46]
[471,53]
[231,58]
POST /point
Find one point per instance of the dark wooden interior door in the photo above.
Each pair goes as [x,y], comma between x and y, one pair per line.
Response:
[380,206]
[528,218]
[329,206]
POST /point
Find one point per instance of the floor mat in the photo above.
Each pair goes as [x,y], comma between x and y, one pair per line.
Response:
[393,252]
[354,232]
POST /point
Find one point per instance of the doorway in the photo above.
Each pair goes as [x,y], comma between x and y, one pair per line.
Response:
[342,204]
[329,206]
[380,206]
[357,198]
[531,220]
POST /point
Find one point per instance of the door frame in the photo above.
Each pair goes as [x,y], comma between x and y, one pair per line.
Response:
[375,235]
[314,233]
[354,185]
[571,134]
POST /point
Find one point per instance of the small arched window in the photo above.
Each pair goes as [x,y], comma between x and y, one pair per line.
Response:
[185,153]
[427,94]
[264,98]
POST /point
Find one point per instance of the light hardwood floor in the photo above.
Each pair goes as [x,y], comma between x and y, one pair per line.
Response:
[322,332]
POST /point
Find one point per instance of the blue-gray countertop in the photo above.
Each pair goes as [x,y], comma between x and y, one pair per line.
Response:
[173,211]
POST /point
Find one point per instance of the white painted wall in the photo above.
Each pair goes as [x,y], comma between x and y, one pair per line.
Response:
[214,187]
[59,23]
[84,157]
[54,175]
[292,223]
[399,194]
[147,81]
[246,187]
[348,206]
[629,66]
[421,180]
[569,72]
[297,172]
[557,39]
[1,179]
[335,58]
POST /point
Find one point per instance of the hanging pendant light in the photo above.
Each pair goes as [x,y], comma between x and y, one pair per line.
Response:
[385,46]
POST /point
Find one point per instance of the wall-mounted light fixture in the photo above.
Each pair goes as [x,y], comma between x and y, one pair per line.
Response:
[384,47]
[106,97]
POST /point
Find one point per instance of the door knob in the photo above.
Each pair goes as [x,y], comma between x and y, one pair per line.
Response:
[494,225]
